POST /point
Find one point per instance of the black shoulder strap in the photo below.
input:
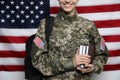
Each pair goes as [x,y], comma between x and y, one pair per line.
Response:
[48,27]
[32,73]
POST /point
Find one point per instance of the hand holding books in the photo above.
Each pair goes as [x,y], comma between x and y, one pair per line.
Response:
[87,50]
[83,50]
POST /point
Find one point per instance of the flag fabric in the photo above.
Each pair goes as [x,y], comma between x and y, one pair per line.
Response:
[20,18]
[102,44]
[38,42]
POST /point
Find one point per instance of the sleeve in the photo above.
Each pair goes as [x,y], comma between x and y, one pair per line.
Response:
[101,51]
[48,63]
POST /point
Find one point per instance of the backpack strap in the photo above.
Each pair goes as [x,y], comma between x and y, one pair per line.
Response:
[48,27]
[32,73]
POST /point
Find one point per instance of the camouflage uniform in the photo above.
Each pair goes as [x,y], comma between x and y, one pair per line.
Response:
[56,60]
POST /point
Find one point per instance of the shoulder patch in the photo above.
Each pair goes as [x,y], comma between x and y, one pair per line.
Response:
[102,44]
[38,42]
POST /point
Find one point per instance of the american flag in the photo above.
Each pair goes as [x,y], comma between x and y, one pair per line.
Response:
[20,18]
[39,43]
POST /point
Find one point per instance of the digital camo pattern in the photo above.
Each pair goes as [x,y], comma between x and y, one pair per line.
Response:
[67,34]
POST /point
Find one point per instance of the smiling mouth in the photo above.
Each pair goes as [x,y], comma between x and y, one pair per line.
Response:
[67,5]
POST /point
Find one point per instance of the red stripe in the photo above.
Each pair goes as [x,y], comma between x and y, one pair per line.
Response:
[114,53]
[13,39]
[21,68]
[18,54]
[103,8]
[4,39]
[21,54]
[112,38]
[107,23]
[91,9]
[112,67]
[12,68]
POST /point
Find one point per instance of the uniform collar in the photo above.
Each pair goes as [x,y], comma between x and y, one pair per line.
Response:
[63,17]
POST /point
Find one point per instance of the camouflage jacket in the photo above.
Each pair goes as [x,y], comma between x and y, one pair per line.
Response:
[56,60]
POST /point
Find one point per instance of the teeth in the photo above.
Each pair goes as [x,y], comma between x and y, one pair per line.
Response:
[68,4]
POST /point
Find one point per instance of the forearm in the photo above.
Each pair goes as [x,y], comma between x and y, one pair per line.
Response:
[101,51]
[100,60]
[98,64]
[50,63]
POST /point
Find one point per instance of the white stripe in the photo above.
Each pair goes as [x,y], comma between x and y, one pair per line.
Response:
[100,15]
[88,2]
[12,75]
[109,31]
[105,75]
[113,60]
[113,45]
[20,61]
[16,32]
[11,61]
[28,32]
[12,47]
[21,47]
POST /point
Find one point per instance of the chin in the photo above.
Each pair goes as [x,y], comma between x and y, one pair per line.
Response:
[68,10]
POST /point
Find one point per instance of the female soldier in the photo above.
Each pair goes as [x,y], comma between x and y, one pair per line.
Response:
[60,60]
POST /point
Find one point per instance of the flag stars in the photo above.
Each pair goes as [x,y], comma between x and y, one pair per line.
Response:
[37,17]
[31,3]
[7,16]
[22,21]
[26,7]
[12,11]
[12,21]
[2,11]
[7,7]
[2,20]
[22,3]
[27,16]
[17,7]
[22,12]
[31,12]
[2,2]
[32,21]
[36,7]
[12,2]
[41,2]
[41,11]
[18,16]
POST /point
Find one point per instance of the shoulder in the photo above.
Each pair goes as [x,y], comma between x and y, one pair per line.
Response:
[85,20]
[42,23]
[41,27]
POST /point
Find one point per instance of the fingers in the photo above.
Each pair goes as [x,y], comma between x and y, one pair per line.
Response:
[81,59]
[89,68]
